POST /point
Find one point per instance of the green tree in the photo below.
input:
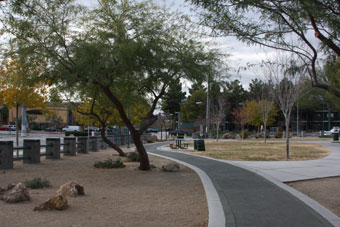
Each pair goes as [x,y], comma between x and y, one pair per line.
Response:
[123,49]
[194,109]
[283,25]
[171,101]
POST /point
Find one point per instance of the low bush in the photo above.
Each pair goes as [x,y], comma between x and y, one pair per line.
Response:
[37,183]
[279,133]
[109,164]
[228,135]
[75,133]
[133,157]
[245,134]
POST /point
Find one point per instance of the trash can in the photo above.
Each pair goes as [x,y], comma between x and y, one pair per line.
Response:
[200,146]
[336,136]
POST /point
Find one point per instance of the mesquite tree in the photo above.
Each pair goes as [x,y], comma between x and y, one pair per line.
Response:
[283,25]
[121,48]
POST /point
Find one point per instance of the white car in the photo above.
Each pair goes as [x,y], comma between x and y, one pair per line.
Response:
[72,128]
[332,131]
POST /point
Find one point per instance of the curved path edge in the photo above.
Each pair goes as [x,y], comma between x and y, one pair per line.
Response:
[323,211]
[317,207]
[216,214]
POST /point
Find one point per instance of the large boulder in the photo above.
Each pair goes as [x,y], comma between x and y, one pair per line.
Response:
[71,189]
[14,193]
[171,167]
[57,202]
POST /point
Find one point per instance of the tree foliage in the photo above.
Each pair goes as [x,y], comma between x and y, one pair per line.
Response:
[16,87]
[121,48]
[283,25]
[194,109]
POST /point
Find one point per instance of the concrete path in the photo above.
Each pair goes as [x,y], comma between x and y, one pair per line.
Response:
[248,199]
[286,171]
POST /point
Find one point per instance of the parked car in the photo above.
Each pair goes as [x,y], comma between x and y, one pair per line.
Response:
[72,128]
[332,131]
[51,129]
[8,127]
[92,128]
[178,132]
[149,130]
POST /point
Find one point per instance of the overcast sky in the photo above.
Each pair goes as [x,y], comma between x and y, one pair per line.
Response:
[241,54]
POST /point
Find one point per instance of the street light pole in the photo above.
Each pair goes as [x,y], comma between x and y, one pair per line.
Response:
[207,110]
[297,118]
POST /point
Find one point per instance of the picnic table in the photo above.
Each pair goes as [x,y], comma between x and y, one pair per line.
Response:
[179,144]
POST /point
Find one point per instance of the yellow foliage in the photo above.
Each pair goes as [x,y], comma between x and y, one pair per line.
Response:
[15,87]
[136,115]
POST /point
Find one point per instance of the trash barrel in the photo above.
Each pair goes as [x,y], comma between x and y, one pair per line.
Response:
[336,136]
[200,146]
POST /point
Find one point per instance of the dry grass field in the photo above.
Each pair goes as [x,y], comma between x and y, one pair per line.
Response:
[257,150]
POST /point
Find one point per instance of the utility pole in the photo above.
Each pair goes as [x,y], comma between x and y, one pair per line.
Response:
[297,118]
[207,110]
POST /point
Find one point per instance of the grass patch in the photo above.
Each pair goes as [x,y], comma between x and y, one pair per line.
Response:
[254,150]
[109,164]
[37,183]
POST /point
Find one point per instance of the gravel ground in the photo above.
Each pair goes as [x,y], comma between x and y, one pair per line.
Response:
[113,197]
[326,191]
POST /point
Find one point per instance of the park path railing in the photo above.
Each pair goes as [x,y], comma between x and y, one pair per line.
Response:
[54,147]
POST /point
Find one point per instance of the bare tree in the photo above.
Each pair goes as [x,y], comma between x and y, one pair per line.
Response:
[265,106]
[287,84]
[218,113]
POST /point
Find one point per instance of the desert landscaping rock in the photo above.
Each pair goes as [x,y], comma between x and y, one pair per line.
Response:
[57,202]
[14,194]
[114,197]
[72,189]
[171,167]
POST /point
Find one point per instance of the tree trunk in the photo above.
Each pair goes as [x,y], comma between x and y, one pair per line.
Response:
[17,124]
[217,131]
[265,132]
[114,146]
[144,163]
[287,139]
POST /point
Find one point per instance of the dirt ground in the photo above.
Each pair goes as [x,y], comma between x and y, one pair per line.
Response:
[113,197]
[325,191]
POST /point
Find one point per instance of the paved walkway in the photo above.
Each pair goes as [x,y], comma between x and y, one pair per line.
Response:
[248,199]
[298,170]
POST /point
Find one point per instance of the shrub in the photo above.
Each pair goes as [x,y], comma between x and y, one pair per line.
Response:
[133,157]
[37,183]
[228,135]
[76,133]
[154,138]
[279,133]
[245,134]
[262,135]
[109,164]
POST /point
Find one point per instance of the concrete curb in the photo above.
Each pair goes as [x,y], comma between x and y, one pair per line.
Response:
[317,207]
[323,211]
[216,213]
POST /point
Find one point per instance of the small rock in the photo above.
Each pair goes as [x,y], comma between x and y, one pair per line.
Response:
[71,189]
[171,167]
[152,166]
[14,194]
[57,202]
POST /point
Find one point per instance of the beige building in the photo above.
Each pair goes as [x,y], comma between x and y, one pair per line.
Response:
[54,115]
